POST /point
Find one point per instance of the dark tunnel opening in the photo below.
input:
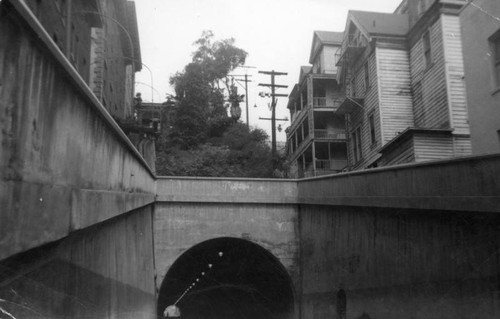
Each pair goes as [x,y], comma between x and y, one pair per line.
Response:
[236,279]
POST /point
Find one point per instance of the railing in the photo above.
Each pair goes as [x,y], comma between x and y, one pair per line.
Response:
[324,166]
[309,170]
[323,102]
[330,165]
[330,71]
[329,134]
[296,115]
[351,41]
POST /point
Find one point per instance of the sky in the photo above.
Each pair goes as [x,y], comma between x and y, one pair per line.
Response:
[277,34]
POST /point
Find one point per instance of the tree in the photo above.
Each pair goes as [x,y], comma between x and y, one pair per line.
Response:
[204,140]
[202,89]
[238,152]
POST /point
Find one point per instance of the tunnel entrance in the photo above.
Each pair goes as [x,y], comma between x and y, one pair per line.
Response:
[228,278]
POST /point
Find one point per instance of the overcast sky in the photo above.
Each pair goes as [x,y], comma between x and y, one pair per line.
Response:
[277,35]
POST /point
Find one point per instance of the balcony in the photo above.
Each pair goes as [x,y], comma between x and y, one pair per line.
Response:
[330,135]
[351,48]
[331,165]
[350,104]
[324,167]
[323,102]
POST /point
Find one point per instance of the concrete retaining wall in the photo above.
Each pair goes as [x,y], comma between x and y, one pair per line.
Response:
[105,271]
[399,263]
[65,164]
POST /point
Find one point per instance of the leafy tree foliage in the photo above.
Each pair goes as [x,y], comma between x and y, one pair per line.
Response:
[238,152]
[202,89]
[204,140]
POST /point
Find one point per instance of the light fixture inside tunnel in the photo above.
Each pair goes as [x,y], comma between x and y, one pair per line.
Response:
[173,311]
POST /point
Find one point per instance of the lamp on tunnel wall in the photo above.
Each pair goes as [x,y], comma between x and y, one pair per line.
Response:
[173,311]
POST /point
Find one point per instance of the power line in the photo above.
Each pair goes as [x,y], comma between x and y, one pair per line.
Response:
[471,2]
[273,95]
[246,89]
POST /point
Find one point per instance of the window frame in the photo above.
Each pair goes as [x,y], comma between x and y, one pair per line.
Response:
[356,144]
[366,70]
[353,86]
[371,125]
[427,49]
[494,41]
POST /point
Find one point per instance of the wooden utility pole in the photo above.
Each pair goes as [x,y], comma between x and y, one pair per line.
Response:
[246,99]
[246,80]
[246,89]
[273,87]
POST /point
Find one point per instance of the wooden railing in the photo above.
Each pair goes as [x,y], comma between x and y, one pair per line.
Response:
[331,135]
[322,166]
[331,165]
[323,102]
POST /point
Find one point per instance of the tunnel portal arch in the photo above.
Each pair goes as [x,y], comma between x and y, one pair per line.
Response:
[233,278]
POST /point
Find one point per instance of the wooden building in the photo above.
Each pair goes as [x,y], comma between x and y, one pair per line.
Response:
[402,74]
[316,138]
[481,46]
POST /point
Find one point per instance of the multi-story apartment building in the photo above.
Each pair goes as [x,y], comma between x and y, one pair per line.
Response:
[101,40]
[480,22]
[316,138]
[403,77]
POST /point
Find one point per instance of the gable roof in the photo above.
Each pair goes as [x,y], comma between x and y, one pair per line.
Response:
[324,37]
[305,69]
[378,23]
[329,37]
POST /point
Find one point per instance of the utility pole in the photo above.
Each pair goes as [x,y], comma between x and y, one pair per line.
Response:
[246,89]
[246,80]
[273,87]
[246,100]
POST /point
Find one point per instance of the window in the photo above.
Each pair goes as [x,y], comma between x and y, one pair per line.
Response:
[426,43]
[371,123]
[353,87]
[495,47]
[356,144]
[367,76]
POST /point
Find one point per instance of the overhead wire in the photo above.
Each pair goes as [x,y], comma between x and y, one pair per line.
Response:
[486,12]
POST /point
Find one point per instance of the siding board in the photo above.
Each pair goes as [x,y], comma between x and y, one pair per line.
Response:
[463,145]
[404,154]
[452,43]
[429,88]
[432,147]
[395,92]
[360,117]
